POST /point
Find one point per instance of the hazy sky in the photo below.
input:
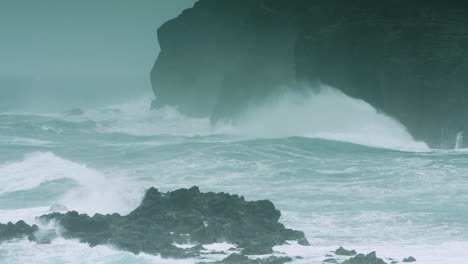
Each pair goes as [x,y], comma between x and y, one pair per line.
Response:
[81,44]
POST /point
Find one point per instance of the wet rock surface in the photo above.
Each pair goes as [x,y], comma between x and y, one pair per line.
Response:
[223,55]
[185,217]
[409,259]
[344,252]
[19,230]
[370,258]
[182,216]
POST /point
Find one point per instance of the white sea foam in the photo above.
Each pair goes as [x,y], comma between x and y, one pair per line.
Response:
[51,129]
[327,114]
[21,141]
[136,118]
[97,193]
[70,251]
[28,215]
[452,252]
[37,168]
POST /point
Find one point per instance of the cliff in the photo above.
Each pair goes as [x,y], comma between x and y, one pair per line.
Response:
[408,59]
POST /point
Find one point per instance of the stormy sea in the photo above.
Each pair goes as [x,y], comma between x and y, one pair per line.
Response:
[233,132]
[341,179]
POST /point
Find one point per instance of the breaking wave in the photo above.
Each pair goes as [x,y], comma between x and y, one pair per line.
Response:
[327,114]
[94,192]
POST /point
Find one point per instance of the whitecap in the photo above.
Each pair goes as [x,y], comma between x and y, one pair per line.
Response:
[327,114]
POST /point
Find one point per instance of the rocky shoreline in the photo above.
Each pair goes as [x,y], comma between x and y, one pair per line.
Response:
[165,221]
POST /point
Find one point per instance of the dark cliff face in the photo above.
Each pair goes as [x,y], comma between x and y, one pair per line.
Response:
[407,59]
[220,53]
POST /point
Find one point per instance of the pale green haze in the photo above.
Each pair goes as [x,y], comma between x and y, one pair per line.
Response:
[78,52]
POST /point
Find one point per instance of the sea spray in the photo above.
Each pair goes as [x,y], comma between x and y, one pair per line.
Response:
[84,189]
[324,113]
[365,198]
[459,140]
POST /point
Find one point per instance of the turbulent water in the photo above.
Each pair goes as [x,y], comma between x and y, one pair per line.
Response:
[338,169]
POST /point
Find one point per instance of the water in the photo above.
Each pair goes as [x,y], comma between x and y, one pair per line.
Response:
[459,140]
[338,169]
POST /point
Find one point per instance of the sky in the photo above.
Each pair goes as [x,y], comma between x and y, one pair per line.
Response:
[69,50]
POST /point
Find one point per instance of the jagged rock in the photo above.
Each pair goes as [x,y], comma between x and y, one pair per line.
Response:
[344,252]
[19,230]
[370,258]
[181,216]
[242,259]
[330,260]
[303,242]
[409,259]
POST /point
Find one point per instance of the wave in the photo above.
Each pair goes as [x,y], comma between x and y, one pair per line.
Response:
[72,251]
[327,114]
[95,192]
[136,118]
[21,141]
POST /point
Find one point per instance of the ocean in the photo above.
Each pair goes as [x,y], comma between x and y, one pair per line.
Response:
[339,170]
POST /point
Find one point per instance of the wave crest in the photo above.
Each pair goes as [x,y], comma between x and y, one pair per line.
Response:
[96,192]
[327,114]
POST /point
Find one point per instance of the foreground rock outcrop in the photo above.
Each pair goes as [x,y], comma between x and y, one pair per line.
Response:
[181,217]
[166,221]
[408,59]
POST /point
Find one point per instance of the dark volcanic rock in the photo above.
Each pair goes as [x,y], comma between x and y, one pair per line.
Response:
[344,252]
[242,259]
[409,259]
[19,230]
[370,258]
[407,58]
[220,53]
[182,216]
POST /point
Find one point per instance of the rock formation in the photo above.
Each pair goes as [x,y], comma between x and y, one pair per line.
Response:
[344,252]
[19,230]
[407,59]
[409,259]
[370,258]
[165,221]
[181,217]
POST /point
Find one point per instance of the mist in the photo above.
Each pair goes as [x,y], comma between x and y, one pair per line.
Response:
[56,55]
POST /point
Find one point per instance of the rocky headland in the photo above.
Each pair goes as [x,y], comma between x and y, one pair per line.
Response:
[407,59]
